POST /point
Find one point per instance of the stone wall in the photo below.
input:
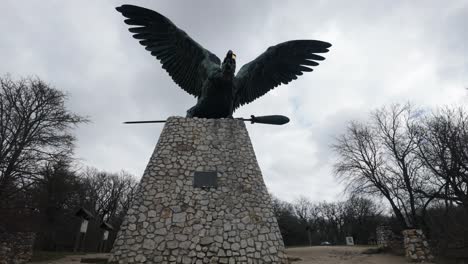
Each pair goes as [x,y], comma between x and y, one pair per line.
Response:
[416,247]
[16,248]
[383,234]
[171,221]
[389,239]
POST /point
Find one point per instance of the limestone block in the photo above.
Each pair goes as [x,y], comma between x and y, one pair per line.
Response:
[416,246]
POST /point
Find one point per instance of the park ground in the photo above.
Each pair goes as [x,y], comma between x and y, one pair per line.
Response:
[304,255]
[341,255]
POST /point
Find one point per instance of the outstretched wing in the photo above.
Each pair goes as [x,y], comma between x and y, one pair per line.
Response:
[186,61]
[279,64]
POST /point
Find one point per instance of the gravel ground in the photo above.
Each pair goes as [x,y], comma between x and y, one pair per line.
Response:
[308,255]
[74,259]
[340,255]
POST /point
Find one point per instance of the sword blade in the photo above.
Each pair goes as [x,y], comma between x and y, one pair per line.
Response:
[145,122]
[270,120]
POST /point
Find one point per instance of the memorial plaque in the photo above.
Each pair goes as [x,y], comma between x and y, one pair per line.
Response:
[205,179]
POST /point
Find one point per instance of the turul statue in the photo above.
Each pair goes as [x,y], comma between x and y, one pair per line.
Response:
[202,74]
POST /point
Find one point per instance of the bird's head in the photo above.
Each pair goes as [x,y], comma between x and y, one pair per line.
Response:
[229,64]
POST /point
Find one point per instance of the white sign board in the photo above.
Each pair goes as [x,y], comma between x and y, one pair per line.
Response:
[349,241]
[84,226]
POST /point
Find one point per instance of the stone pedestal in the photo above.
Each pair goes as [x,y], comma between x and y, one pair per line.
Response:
[171,221]
[416,246]
[16,247]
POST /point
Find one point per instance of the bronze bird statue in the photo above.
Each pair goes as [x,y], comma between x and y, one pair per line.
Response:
[202,74]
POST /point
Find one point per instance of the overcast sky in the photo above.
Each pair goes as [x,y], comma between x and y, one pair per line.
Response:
[383,52]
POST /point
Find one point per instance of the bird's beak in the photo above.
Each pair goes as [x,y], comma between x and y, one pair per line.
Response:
[233,56]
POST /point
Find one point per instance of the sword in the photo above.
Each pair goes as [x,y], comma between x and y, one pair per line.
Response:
[145,122]
[270,120]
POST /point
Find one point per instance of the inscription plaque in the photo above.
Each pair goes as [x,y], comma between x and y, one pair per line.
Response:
[205,179]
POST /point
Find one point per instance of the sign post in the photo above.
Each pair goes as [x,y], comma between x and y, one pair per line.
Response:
[85,216]
[105,235]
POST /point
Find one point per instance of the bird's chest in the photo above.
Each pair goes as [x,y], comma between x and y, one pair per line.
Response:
[216,99]
[218,86]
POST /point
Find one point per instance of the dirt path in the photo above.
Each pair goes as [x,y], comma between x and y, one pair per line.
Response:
[72,259]
[309,255]
[340,255]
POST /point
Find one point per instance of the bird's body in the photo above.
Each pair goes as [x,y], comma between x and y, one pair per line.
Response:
[216,99]
[202,74]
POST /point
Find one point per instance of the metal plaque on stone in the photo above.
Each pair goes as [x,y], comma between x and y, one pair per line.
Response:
[205,179]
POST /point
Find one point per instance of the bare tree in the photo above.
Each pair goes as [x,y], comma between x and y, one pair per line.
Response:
[109,194]
[308,214]
[291,227]
[306,222]
[380,157]
[302,207]
[280,207]
[361,217]
[333,214]
[55,198]
[333,221]
[35,128]
[445,153]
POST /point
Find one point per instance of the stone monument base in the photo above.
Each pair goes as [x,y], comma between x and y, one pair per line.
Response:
[416,247]
[16,247]
[202,199]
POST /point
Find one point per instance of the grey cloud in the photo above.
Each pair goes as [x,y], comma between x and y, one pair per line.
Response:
[383,52]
